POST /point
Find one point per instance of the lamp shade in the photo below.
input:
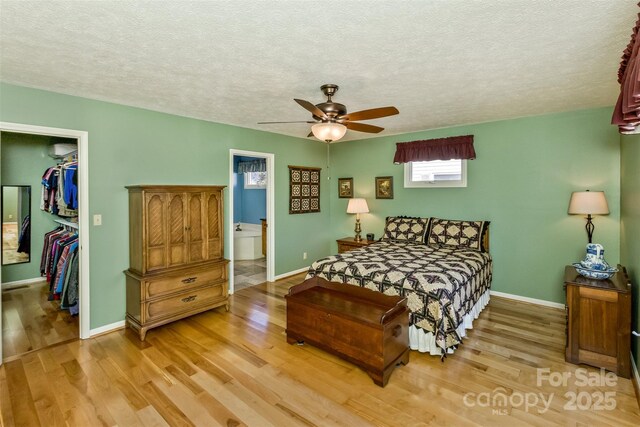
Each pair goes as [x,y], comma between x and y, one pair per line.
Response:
[588,203]
[328,132]
[357,206]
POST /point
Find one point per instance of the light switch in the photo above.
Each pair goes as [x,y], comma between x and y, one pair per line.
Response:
[97,219]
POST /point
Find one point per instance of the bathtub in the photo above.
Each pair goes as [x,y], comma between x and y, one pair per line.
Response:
[247,244]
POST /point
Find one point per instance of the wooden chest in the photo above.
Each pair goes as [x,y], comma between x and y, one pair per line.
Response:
[367,328]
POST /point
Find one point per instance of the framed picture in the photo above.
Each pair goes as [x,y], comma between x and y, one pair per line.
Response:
[345,188]
[384,187]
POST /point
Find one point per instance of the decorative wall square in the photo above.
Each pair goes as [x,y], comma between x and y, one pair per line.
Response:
[304,189]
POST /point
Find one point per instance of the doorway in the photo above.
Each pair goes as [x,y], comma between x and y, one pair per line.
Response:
[251,212]
[24,289]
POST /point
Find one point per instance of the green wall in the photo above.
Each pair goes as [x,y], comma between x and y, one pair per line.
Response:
[521,181]
[24,159]
[630,224]
[135,146]
[9,204]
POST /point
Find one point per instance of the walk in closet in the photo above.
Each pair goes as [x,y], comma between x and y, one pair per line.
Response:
[40,291]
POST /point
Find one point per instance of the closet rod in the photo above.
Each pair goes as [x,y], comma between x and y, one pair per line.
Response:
[66,223]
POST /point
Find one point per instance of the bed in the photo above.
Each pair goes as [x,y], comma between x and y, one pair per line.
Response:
[442,267]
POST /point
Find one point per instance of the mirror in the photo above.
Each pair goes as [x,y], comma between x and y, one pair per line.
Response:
[16,224]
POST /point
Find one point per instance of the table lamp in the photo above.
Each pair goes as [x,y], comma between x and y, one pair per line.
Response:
[357,206]
[588,203]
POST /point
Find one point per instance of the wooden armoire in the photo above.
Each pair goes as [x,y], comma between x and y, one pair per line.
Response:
[176,254]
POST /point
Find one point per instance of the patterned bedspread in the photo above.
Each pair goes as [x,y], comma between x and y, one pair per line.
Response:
[441,283]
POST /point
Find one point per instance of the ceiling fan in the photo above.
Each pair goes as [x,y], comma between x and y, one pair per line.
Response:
[331,120]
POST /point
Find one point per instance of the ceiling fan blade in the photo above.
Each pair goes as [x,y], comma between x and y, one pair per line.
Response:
[361,127]
[374,113]
[310,135]
[299,121]
[310,107]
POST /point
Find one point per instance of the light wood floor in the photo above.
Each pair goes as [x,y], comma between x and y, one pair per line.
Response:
[31,322]
[236,368]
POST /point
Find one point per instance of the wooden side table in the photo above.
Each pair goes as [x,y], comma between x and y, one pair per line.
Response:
[599,321]
[349,244]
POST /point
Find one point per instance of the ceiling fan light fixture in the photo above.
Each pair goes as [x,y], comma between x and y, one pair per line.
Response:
[328,132]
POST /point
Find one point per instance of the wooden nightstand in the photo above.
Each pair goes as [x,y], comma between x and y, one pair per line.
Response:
[349,244]
[599,321]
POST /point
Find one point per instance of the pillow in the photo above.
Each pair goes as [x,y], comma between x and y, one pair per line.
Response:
[405,228]
[461,234]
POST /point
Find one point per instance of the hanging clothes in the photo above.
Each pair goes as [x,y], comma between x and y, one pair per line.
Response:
[59,194]
[71,185]
[70,286]
[45,249]
[59,263]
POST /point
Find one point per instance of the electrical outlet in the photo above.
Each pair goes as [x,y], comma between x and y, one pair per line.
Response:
[304,255]
[97,219]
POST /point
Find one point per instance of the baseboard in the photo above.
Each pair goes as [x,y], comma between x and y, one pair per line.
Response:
[291,273]
[19,283]
[527,299]
[635,379]
[106,329]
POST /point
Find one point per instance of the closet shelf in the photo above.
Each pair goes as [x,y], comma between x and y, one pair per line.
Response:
[66,223]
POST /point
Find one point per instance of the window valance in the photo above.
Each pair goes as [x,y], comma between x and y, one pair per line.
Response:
[626,114]
[453,147]
[259,165]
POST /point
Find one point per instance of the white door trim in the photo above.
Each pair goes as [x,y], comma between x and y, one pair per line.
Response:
[83,211]
[271,258]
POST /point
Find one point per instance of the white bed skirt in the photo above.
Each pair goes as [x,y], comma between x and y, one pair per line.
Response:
[425,342]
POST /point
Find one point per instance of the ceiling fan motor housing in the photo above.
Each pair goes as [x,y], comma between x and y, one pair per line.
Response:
[331,109]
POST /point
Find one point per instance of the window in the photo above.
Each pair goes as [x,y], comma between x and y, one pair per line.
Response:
[255,180]
[436,173]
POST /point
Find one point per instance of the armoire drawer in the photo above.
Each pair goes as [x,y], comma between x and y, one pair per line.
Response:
[184,302]
[170,284]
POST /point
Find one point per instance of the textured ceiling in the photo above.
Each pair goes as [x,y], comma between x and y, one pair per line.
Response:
[441,63]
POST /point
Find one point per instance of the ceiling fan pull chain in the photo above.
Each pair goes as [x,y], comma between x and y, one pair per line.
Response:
[328,161]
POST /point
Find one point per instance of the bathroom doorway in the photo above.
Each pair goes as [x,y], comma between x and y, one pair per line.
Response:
[251,231]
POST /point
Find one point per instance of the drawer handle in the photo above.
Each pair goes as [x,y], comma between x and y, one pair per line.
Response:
[396,331]
[189,280]
[189,298]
